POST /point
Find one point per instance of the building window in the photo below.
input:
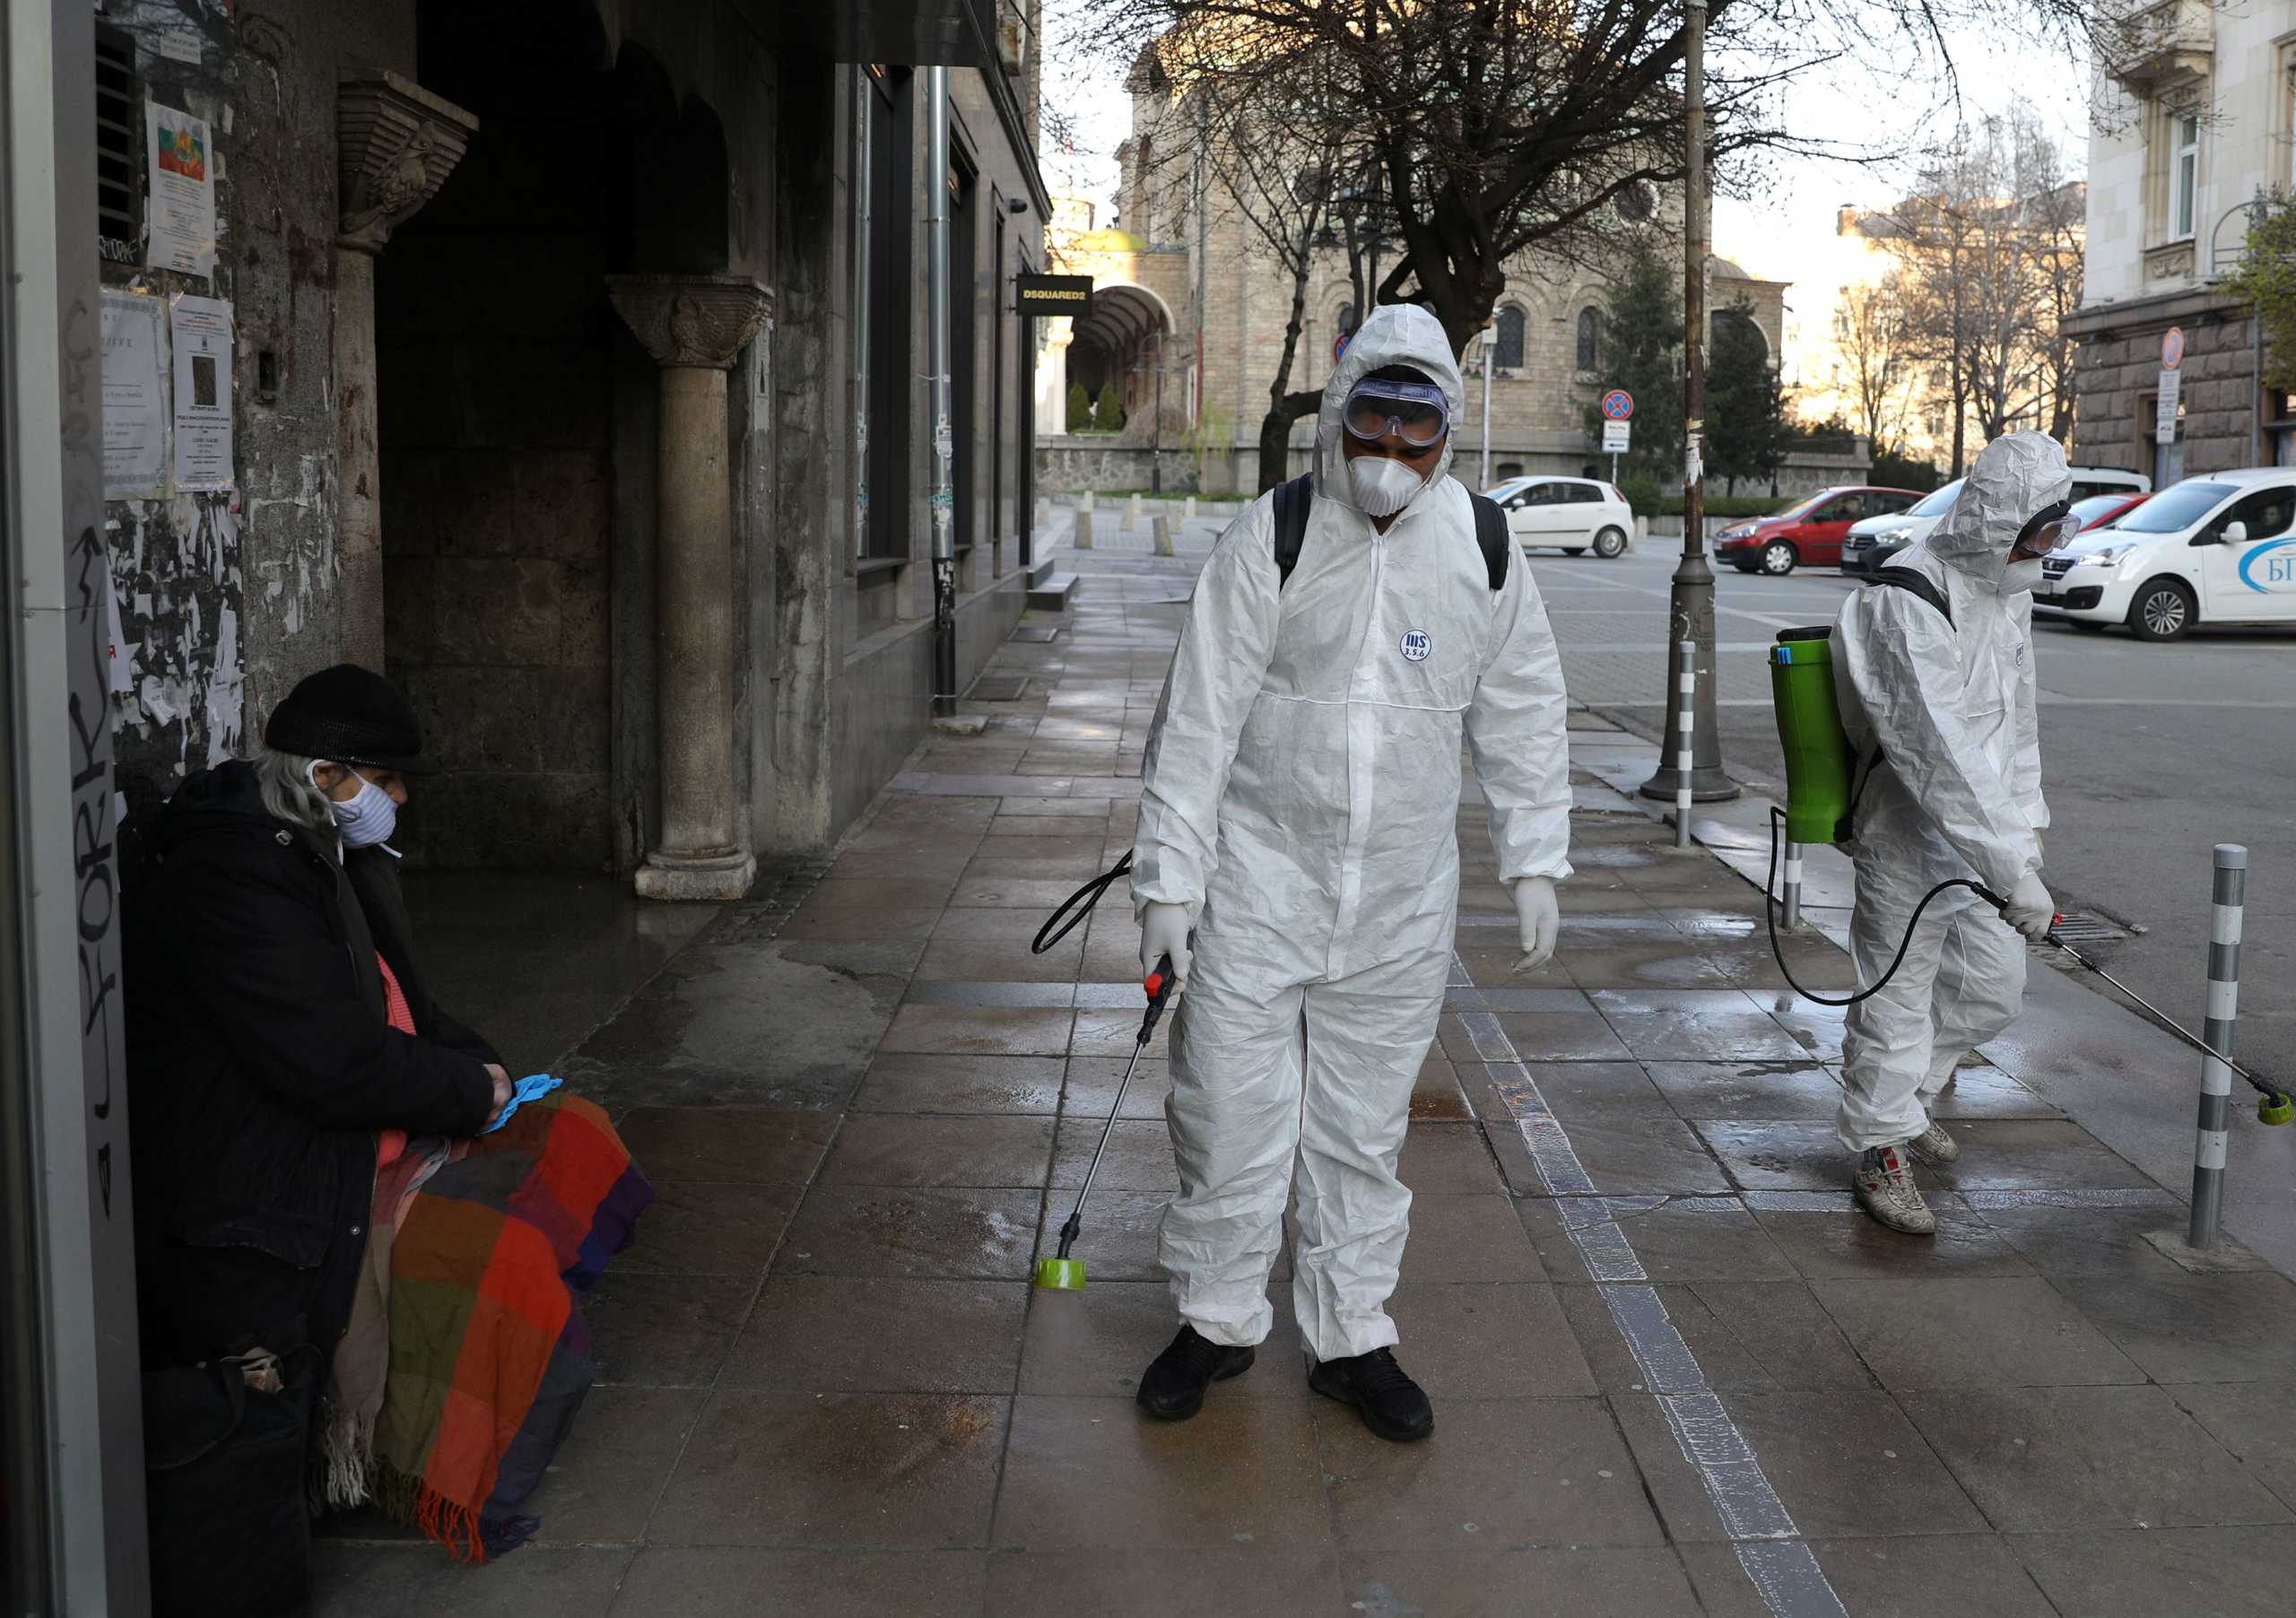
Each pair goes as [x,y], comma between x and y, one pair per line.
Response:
[1508,354]
[892,133]
[1590,340]
[2184,172]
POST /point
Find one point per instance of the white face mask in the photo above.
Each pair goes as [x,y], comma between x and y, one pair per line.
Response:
[2021,575]
[365,819]
[1382,487]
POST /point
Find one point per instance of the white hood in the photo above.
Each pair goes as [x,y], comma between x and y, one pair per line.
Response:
[2012,478]
[1396,334]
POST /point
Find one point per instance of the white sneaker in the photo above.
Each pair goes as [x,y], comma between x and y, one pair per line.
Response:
[1934,1145]
[1885,1189]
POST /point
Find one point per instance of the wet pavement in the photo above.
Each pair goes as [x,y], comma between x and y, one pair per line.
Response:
[1674,1371]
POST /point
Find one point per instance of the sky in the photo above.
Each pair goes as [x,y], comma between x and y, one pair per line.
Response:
[1862,105]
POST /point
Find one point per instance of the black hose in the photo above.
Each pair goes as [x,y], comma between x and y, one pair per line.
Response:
[1769,912]
[1088,895]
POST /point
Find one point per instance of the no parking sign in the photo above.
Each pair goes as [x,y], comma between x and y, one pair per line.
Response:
[1618,405]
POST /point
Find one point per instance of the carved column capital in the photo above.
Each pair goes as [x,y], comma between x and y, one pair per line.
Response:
[395,144]
[691,319]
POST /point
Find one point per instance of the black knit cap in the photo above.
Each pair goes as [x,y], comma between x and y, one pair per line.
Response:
[349,715]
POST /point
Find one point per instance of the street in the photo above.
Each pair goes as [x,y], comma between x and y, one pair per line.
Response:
[2151,754]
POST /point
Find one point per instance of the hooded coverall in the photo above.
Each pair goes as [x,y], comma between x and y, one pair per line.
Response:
[1956,791]
[1299,794]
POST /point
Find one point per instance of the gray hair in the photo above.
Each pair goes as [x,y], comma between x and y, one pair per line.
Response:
[288,795]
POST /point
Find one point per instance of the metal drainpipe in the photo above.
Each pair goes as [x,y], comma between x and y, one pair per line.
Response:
[864,108]
[936,324]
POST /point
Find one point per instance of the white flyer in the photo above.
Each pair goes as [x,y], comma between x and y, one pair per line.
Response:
[202,329]
[136,409]
[181,234]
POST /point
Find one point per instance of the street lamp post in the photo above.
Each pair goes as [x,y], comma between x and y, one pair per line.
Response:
[1692,603]
[1490,340]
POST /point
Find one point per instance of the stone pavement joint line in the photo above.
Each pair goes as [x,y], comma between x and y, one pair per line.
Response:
[1783,1568]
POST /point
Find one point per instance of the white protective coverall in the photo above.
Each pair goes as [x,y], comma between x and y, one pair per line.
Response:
[1957,791]
[1300,795]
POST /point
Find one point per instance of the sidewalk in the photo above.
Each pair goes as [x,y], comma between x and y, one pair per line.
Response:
[1674,1371]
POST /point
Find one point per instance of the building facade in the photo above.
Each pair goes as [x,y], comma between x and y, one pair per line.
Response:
[579,364]
[2194,129]
[1189,300]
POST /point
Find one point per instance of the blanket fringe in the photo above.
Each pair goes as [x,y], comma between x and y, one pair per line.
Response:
[415,1504]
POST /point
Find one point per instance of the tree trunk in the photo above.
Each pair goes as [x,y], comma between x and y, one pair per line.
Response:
[1275,434]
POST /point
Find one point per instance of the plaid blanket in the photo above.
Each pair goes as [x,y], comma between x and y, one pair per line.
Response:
[488,1354]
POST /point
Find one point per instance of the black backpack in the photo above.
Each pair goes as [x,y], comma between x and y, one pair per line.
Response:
[1293,500]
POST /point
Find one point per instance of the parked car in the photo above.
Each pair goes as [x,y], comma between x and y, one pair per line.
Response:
[2220,548]
[1808,533]
[1875,540]
[1573,514]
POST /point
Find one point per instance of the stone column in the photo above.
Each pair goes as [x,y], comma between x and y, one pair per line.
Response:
[394,144]
[693,325]
[1052,376]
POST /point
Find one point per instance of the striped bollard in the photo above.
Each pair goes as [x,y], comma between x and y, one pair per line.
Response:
[2224,1009]
[1792,886]
[1685,721]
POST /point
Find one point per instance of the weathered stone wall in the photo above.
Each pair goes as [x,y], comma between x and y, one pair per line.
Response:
[228,599]
[2117,369]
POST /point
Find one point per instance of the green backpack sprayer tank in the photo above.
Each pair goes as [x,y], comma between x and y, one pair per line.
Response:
[1818,759]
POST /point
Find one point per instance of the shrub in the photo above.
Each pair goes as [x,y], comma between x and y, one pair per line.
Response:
[1080,408]
[1109,416]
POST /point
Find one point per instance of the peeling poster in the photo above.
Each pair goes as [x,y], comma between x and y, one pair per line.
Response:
[202,328]
[135,410]
[182,208]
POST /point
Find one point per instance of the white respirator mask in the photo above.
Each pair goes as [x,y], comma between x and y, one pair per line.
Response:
[1382,487]
[2022,575]
[365,819]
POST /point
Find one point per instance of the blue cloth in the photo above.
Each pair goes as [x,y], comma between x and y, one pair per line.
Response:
[532,1087]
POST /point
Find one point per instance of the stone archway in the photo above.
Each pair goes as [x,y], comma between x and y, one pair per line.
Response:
[1122,342]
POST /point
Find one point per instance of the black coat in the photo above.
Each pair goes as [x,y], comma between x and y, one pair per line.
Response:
[260,1066]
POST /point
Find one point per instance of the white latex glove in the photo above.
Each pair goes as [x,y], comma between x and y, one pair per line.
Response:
[1163,931]
[2031,911]
[1534,909]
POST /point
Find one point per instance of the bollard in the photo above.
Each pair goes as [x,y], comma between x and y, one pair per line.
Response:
[1685,722]
[1163,527]
[1188,512]
[2231,894]
[1084,500]
[1131,513]
[1084,527]
[1792,886]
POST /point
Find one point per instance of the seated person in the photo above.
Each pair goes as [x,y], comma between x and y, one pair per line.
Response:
[306,1123]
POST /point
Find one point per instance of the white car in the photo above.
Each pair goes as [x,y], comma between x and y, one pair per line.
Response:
[1573,514]
[1875,541]
[2219,548]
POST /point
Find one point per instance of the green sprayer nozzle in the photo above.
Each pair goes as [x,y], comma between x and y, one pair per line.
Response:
[1061,1275]
[2276,1108]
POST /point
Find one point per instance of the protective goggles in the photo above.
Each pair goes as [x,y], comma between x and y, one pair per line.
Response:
[1415,412]
[2050,529]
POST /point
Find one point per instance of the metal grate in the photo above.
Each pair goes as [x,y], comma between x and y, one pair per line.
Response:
[1036,633]
[119,146]
[2076,928]
[998,688]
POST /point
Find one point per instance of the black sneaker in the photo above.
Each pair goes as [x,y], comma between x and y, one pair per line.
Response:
[1172,1390]
[1391,1403]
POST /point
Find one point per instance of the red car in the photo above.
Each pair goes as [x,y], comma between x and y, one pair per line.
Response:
[1809,531]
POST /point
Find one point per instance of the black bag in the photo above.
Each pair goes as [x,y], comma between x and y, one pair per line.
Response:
[225,1470]
[1294,500]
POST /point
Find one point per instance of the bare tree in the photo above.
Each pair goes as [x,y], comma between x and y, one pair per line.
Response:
[1499,126]
[1871,333]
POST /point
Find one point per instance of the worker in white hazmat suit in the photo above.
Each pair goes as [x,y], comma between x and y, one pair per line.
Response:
[1940,710]
[1298,815]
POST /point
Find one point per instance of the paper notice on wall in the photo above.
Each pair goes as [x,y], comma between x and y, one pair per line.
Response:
[2164,414]
[182,209]
[118,655]
[202,330]
[135,410]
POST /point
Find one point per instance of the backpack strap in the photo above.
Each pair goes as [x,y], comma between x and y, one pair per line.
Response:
[1491,534]
[1294,499]
[1914,584]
